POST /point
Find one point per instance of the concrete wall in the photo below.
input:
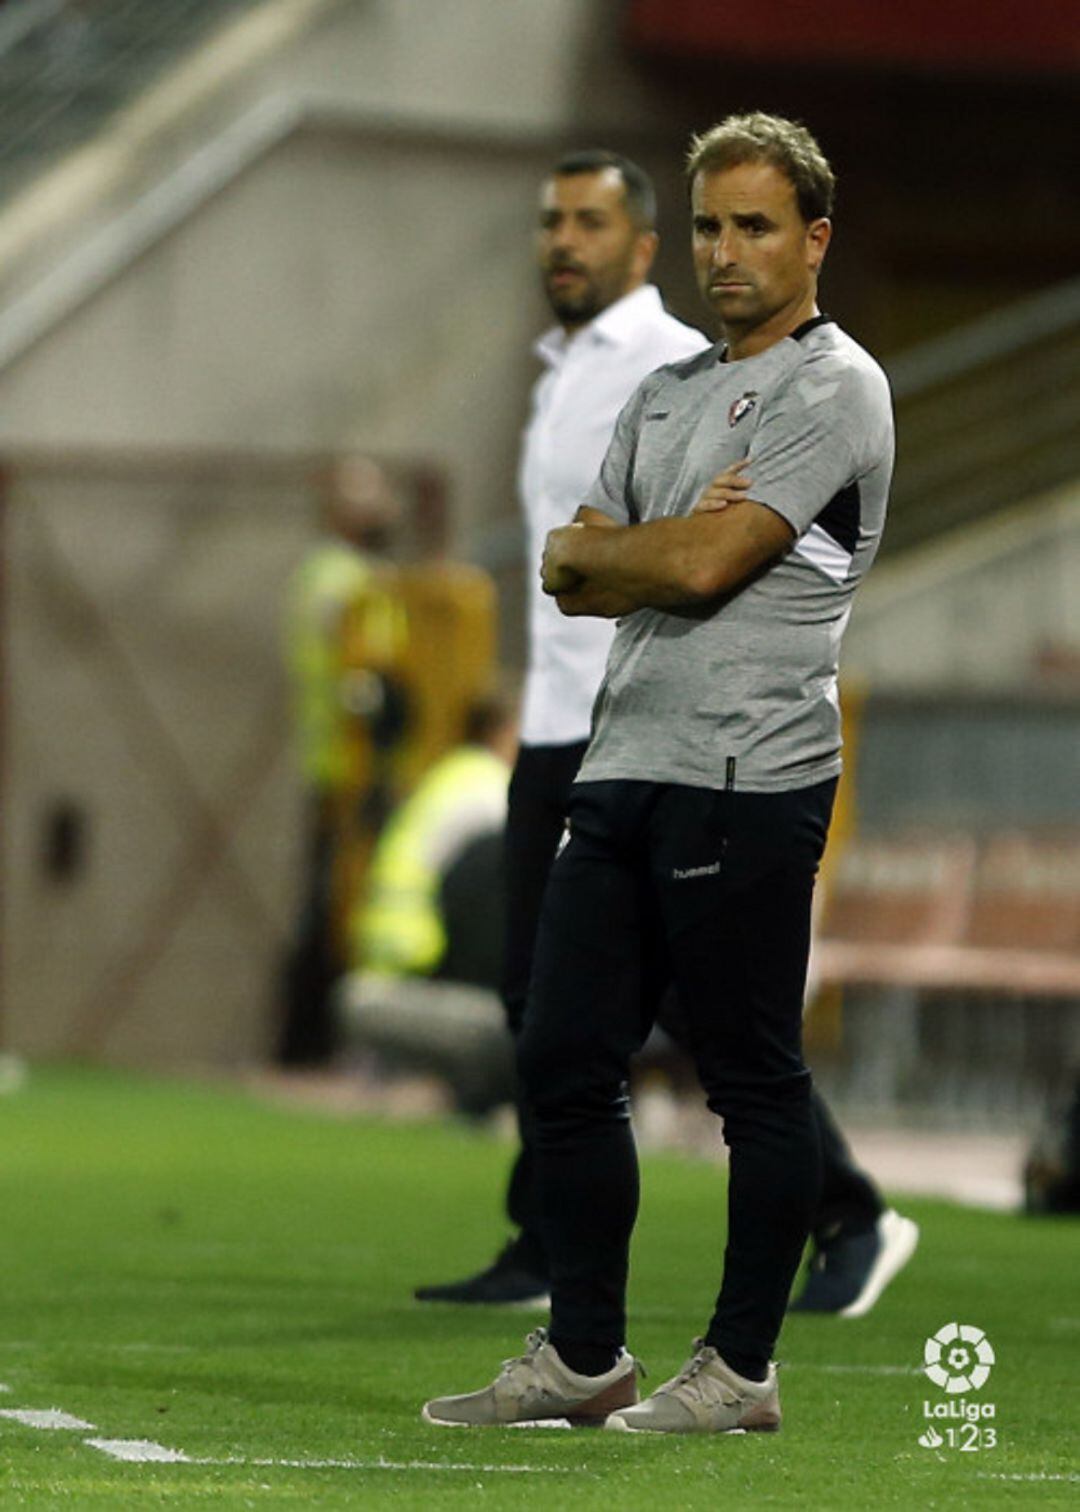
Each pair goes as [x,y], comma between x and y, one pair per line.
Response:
[365,283]
[368,282]
[508,65]
[283,315]
[144,711]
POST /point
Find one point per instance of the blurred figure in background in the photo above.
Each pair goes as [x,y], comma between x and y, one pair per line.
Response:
[1052,1168]
[426,936]
[344,575]
[432,905]
[596,244]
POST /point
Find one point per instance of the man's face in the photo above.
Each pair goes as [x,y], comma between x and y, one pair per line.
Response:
[755,258]
[590,251]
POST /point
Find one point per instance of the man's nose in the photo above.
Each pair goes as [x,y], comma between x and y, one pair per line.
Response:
[722,250]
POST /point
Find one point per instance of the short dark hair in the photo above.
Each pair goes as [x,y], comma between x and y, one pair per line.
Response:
[761,138]
[638,191]
[486,717]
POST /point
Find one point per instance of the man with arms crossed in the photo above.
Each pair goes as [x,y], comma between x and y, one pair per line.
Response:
[596,245]
[701,809]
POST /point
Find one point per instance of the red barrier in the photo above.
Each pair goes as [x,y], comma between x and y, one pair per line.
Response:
[1011,34]
[926,911]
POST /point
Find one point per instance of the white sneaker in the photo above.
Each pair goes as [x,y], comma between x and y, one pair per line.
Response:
[705,1397]
[848,1273]
[536,1387]
[897,1239]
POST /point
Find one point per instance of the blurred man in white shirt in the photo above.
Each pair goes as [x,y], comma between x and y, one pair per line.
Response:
[596,244]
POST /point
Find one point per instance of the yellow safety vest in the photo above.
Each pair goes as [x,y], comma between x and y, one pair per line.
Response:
[397,930]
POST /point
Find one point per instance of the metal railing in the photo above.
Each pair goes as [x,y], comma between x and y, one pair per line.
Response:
[66,67]
[987,416]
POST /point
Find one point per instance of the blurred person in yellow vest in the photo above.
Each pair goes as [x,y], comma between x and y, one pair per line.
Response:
[426,941]
[433,901]
[343,588]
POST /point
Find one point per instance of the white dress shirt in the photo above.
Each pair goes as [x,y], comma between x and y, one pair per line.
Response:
[589,376]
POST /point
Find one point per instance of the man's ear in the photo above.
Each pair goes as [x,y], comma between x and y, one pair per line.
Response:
[645,252]
[818,236]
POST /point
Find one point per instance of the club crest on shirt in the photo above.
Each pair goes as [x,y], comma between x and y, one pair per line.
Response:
[741,406]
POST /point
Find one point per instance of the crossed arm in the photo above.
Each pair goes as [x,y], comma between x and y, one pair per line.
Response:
[596,567]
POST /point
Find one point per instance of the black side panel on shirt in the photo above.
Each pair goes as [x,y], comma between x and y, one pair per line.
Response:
[632,510]
[840,517]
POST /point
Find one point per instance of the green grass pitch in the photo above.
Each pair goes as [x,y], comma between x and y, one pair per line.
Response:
[185,1266]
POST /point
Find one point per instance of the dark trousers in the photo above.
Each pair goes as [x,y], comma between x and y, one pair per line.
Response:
[536,815]
[309,1032]
[712,889]
[849,1199]
[539,799]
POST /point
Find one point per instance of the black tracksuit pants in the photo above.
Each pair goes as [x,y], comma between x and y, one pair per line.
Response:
[536,815]
[539,797]
[712,890]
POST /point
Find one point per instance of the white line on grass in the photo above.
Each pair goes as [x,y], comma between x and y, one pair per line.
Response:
[882,1370]
[385,1464]
[1034,1475]
[52,1417]
[142,1451]
[141,1346]
[145,1451]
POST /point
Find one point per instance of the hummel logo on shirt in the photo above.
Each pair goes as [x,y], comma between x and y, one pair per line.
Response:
[684,874]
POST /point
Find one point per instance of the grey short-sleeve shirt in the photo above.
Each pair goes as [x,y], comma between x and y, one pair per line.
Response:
[748,692]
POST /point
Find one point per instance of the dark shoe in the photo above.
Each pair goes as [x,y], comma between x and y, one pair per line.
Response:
[506,1283]
[849,1273]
